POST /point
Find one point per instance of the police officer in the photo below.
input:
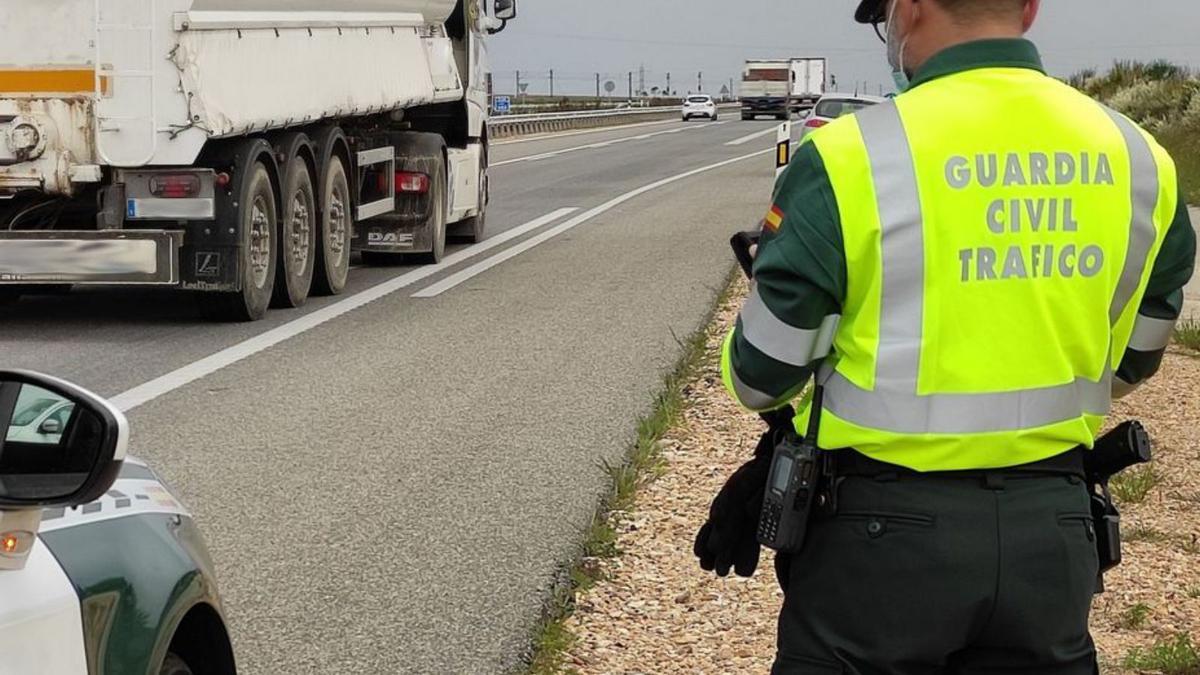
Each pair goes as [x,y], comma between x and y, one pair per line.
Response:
[973,270]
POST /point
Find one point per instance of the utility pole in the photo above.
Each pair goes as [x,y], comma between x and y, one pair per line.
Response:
[551,83]
[700,81]
[668,84]
[597,86]
[519,85]
[641,78]
[631,85]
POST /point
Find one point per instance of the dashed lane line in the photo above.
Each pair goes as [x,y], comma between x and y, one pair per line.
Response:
[208,365]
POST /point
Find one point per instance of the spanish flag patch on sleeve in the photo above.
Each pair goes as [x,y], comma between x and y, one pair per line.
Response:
[774,219]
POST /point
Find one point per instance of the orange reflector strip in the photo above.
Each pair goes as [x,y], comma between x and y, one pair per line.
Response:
[65,81]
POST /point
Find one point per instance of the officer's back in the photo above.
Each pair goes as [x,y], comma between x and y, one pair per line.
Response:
[971,271]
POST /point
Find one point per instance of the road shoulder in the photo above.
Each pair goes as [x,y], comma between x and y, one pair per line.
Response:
[655,611]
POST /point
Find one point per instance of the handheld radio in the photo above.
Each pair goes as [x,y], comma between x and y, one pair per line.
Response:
[792,487]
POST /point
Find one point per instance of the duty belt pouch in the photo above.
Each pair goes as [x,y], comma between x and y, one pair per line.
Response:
[1108,534]
[792,487]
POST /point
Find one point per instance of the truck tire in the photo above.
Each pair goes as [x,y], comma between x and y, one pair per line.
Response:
[335,203]
[471,230]
[438,191]
[173,665]
[297,226]
[259,223]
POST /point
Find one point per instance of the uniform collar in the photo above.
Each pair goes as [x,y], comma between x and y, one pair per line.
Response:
[994,53]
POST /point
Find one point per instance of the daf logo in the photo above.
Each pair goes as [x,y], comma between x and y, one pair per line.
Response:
[381,238]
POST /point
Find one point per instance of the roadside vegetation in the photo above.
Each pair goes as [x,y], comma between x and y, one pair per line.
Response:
[1163,98]
[1187,333]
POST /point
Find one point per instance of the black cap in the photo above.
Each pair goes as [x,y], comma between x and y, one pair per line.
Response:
[871,11]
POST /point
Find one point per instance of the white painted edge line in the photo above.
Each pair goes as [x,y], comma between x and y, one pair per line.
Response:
[746,139]
[208,365]
[593,146]
[475,270]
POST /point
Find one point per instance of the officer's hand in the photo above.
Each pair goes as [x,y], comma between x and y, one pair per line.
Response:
[729,540]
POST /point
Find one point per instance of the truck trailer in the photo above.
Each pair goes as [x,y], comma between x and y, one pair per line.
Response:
[239,149]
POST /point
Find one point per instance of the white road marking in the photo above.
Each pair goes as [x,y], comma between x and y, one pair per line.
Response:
[598,145]
[208,365]
[475,270]
[746,139]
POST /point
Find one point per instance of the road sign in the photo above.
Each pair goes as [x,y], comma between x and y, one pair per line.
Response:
[610,86]
[502,104]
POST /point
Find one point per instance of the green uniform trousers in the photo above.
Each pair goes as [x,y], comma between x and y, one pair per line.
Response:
[945,575]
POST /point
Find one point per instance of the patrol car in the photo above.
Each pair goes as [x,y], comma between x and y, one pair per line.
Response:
[102,569]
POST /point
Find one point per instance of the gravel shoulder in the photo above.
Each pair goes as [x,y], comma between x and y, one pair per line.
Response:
[656,612]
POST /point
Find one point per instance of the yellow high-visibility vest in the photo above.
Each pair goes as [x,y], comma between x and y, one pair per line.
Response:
[1000,229]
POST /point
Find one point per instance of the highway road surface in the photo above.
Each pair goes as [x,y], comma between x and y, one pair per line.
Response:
[389,480]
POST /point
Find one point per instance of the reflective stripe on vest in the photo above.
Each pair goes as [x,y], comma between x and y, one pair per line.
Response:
[895,404]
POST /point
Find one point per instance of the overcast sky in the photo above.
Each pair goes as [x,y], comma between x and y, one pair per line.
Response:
[578,38]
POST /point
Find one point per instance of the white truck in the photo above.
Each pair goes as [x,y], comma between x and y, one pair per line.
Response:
[765,89]
[809,76]
[241,149]
[778,87]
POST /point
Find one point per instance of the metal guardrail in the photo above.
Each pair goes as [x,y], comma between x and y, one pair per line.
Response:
[521,125]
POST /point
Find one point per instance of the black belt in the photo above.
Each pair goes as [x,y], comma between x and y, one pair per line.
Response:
[851,462]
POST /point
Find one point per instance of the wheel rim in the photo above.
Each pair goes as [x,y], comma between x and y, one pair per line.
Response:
[338,226]
[300,232]
[260,242]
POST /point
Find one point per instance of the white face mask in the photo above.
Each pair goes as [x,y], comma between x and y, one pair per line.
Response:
[895,51]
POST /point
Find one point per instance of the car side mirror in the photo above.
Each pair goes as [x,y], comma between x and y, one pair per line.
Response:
[506,10]
[59,464]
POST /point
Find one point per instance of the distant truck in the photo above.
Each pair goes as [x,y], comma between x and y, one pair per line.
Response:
[778,87]
[766,89]
[239,149]
[809,77]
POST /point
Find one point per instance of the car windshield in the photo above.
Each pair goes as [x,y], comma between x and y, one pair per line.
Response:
[698,99]
[28,412]
[836,108]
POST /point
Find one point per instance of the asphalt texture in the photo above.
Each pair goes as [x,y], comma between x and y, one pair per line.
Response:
[395,490]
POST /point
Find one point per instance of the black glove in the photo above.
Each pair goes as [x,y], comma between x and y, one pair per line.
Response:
[729,540]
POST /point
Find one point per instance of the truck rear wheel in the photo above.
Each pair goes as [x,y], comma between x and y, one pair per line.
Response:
[437,211]
[471,230]
[297,230]
[259,224]
[333,249]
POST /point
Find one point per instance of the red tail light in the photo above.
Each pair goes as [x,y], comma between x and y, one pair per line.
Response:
[411,183]
[815,123]
[175,186]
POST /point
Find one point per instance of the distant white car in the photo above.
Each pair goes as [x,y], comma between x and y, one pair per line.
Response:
[833,106]
[700,105]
